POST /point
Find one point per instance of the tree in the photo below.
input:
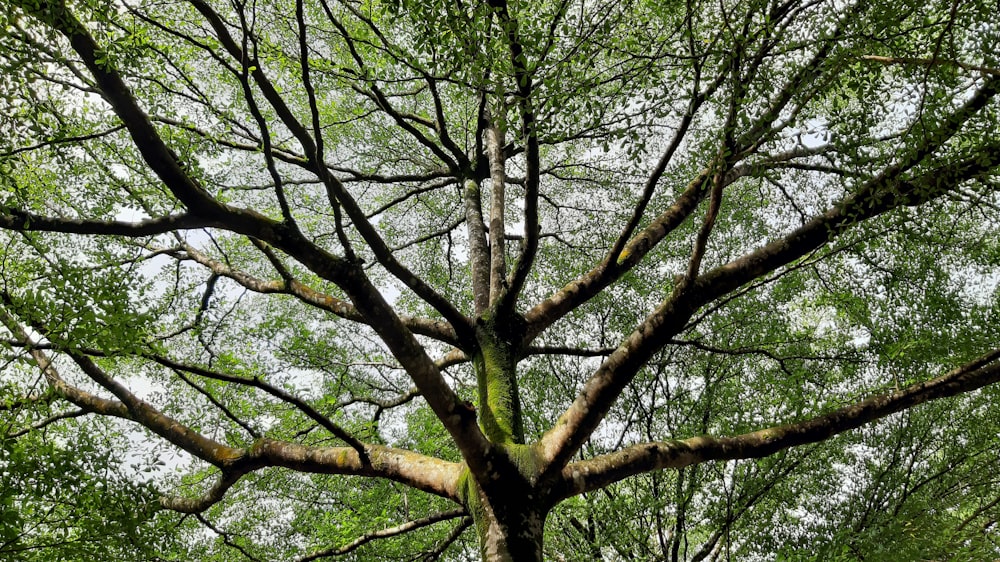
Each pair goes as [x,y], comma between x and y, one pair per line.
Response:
[371,266]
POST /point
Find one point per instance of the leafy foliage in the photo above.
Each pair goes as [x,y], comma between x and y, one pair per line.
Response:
[582,280]
[75,502]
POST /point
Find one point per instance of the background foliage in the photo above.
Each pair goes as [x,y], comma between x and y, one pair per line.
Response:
[617,110]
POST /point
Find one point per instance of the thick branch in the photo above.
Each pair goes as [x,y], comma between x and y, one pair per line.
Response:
[166,427]
[422,472]
[456,417]
[418,471]
[583,476]
[23,221]
[498,191]
[479,254]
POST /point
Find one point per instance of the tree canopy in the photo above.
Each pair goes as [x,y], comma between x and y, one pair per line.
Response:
[445,279]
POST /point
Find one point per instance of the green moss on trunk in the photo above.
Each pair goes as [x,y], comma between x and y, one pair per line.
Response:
[510,514]
[496,377]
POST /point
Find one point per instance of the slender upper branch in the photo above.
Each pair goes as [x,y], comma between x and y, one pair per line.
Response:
[47,421]
[523,76]
[479,254]
[388,532]
[498,191]
[334,186]
[403,120]
[256,382]
[932,62]
[885,192]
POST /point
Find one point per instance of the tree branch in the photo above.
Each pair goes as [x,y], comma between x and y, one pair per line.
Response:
[583,476]
[882,194]
[23,221]
[48,421]
[128,406]
[226,538]
[157,155]
[498,191]
[289,285]
[459,421]
[479,254]
[413,469]
[338,193]
[388,532]
[69,140]
[278,393]
[572,351]
[213,496]
[930,63]
[626,255]
[31,399]
[597,279]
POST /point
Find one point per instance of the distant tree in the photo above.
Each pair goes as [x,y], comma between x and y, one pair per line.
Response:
[396,279]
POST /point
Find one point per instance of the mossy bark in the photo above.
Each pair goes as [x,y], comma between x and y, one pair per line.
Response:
[505,503]
[508,510]
[496,376]
[511,535]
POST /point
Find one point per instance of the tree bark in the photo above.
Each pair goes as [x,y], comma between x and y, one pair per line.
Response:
[510,533]
[506,502]
[507,506]
[496,376]
[498,188]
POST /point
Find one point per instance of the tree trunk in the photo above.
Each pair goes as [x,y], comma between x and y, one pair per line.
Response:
[516,539]
[496,376]
[508,511]
[510,527]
